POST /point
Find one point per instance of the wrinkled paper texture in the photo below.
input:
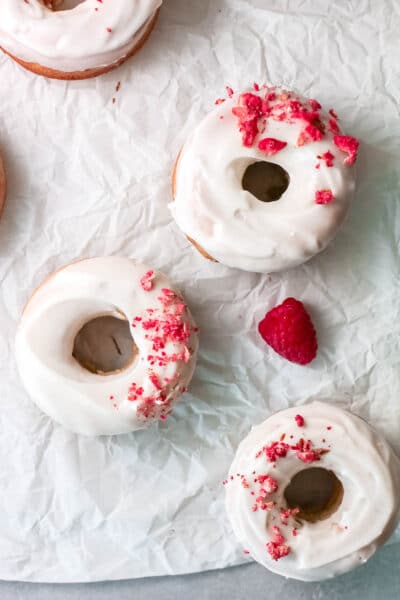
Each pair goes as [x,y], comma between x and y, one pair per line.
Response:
[89,177]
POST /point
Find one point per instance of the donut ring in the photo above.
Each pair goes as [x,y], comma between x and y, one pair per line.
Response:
[228,223]
[56,44]
[94,403]
[274,453]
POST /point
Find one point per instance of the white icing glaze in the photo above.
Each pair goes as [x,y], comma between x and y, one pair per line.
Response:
[75,39]
[363,462]
[95,404]
[231,224]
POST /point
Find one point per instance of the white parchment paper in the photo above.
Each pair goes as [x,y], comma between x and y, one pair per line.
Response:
[89,177]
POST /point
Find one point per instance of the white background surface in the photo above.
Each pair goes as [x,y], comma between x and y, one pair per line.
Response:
[88,177]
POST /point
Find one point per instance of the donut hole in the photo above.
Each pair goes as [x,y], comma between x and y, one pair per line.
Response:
[266,181]
[317,492]
[63,4]
[105,345]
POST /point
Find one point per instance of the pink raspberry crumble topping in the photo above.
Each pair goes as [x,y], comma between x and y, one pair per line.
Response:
[147,281]
[324,196]
[277,548]
[349,144]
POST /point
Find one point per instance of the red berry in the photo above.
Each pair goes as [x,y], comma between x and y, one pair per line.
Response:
[288,329]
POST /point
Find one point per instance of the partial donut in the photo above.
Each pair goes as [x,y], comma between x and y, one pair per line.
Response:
[313,492]
[106,346]
[265,180]
[64,40]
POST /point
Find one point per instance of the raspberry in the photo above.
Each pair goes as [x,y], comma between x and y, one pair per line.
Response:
[271,146]
[349,144]
[288,329]
[324,196]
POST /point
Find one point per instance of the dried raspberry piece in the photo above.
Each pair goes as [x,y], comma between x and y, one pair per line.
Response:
[271,146]
[249,110]
[349,144]
[134,392]
[328,157]
[288,329]
[324,196]
[306,453]
[147,281]
[305,115]
[276,450]
[270,485]
[299,420]
[277,547]
[333,126]
[286,513]
[155,381]
[314,104]
[311,133]
[333,114]
[229,91]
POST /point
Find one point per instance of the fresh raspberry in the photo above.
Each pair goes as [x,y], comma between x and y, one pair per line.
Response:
[288,329]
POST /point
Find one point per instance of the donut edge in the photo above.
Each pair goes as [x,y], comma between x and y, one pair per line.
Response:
[196,245]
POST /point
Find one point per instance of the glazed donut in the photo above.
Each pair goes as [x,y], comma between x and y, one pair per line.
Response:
[264,181]
[69,40]
[163,347]
[314,494]
[2,186]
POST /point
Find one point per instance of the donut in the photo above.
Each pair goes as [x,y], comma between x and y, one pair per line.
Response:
[264,182]
[67,39]
[313,492]
[2,186]
[121,310]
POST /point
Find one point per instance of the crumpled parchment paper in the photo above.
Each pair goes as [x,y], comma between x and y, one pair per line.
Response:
[89,177]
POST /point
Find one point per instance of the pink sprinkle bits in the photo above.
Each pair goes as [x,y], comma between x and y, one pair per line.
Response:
[286,513]
[324,196]
[305,451]
[349,144]
[269,484]
[147,281]
[277,547]
[162,327]
[328,157]
[311,133]
[271,146]
[274,451]
[248,112]
[299,420]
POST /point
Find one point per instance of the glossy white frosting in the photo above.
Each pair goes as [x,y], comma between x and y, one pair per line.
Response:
[82,401]
[232,225]
[363,462]
[75,39]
